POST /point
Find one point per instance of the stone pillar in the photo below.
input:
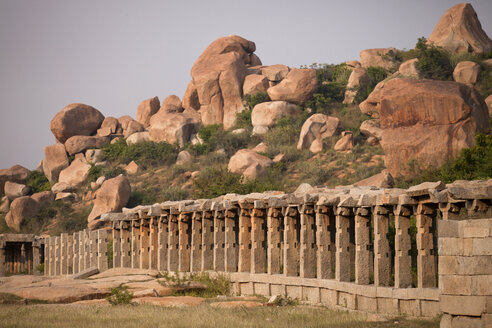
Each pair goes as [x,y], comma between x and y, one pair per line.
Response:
[102,249]
[231,240]
[325,221]
[2,259]
[36,257]
[403,260]
[426,258]
[219,240]
[342,267]
[207,240]
[308,242]
[382,252]
[76,255]
[144,243]
[173,242]
[57,256]
[196,241]
[258,241]
[126,245]
[363,256]
[116,231]
[244,261]
[70,254]
[184,227]
[291,241]
[162,247]
[81,250]
[64,253]
[93,248]
[47,260]
[23,258]
[451,211]
[135,261]
[87,248]
[274,217]
[154,242]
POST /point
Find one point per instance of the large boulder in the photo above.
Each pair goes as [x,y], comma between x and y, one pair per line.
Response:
[265,115]
[146,109]
[359,79]
[316,128]
[297,87]
[172,103]
[15,190]
[275,73]
[248,163]
[466,72]
[132,127]
[409,68]
[425,121]
[190,98]
[138,137]
[380,180]
[371,128]
[21,209]
[255,83]
[76,174]
[78,144]
[111,123]
[76,120]
[111,197]
[218,75]
[43,198]
[174,127]
[55,160]
[379,57]
[16,173]
[459,30]
[346,142]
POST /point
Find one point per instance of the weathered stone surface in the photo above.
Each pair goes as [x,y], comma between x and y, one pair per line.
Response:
[55,160]
[76,174]
[409,69]
[76,120]
[371,128]
[248,163]
[172,104]
[459,30]
[275,73]
[16,173]
[123,123]
[467,72]
[488,101]
[218,76]
[316,128]
[94,155]
[4,205]
[78,144]
[297,87]
[15,190]
[62,187]
[111,123]
[132,168]
[20,209]
[190,98]
[268,113]
[379,57]
[68,196]
[424,188]
[146,109]
[261,148]
[255,83]
[43,198]
[380,180]
[359,79]
[132,127]
[462,189]
[111,197]
[174,127]
[152,285]
[351,64]
[86,273]
[345,142]
[413,112]
[184,157]
[138,137]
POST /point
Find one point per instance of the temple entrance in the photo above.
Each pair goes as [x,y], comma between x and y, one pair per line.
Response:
[18,258]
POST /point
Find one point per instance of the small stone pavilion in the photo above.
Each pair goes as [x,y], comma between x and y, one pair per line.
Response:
[20,253]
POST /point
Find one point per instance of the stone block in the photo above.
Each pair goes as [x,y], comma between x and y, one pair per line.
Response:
[294,292]
[367,304]
[311,294]
[328,297]
[455,285]
[450,246]
[86,273]
[246,288]
[482,246]
[476,232]
[429,309]
[466,322]
[448,228]
[446,321]
[347,300]
[475,265]
[410,308]
[388,306]
[262,289]
[481,285]
[277,290]
[487,320]
[463,305]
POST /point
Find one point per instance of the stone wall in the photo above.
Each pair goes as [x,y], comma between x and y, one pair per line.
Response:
[465,273]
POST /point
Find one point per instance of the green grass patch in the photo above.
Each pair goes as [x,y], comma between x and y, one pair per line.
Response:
[38,182]
[216,285]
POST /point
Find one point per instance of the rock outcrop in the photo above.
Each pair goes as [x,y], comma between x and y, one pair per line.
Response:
[467,72]
[255,83]
[20,209]
[174,127]
[275,73]
[380,180]
[371,128]
[358,79]
[111,197]
[409,68]
[15,190]
[138,137]
[16,173]
[146,109]
[316,128]
[55,160]
[297,87]
[78,144]
[248,163]
[379,57]
[459,30]
[265,115]
[76,173]
[345,142]
[414,112]
[76,120]
[172,104]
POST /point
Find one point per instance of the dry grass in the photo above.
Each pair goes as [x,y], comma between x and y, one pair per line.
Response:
[202,316]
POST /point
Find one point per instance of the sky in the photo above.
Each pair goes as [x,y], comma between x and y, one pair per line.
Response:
[112,54]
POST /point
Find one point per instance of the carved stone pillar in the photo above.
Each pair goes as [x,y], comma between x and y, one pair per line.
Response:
[258,241]
[403,260]
[342,267]
[154,243]
[63,253]
[325,221]
[144,243]
[135,256]
[426,258]
[173,242]
[2,259]
[116,231]
[196,241]
[231,239]
[308,242]
[102,249]
[274,239]
[126,245]
[382,253]
[163,239]
[207,240]
[291,241]
[184,227]
[363,254]
[219,240]
[244,261]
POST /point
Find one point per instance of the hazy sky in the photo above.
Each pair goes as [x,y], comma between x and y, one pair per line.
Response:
[113,54]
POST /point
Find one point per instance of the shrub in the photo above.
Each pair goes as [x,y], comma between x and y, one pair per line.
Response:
[215,137]
[284,133]
[250,101]
[243,119]
[97,171]
[38,182]
[120,295]
[174,193]
[146,153]
[377,75]
[433,61]
[138,197]
[216,285]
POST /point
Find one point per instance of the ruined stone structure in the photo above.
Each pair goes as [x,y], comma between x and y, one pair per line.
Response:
[20,253]
[418,252]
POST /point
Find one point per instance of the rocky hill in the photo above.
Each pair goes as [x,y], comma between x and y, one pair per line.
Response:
[394,116]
